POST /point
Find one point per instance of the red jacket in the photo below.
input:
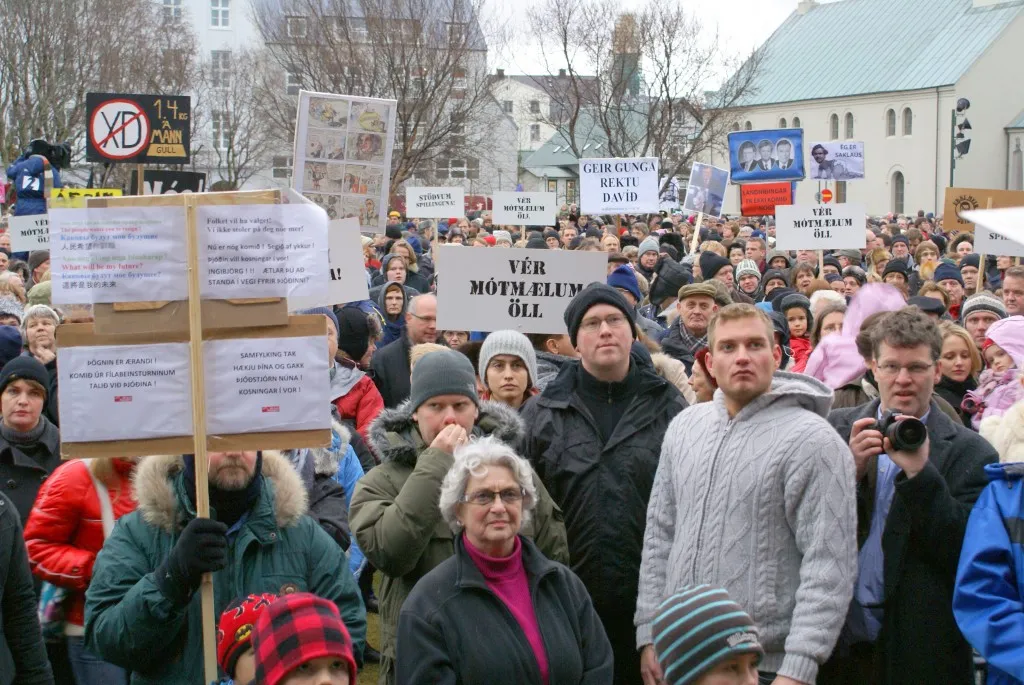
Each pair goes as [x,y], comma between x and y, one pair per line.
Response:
[361,404]
[64,532]
[801,349]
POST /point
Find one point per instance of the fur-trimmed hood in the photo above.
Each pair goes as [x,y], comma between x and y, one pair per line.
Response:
[161,506]
[394,436]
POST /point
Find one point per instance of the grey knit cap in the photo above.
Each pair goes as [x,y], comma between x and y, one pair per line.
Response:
[649,244]
[503,236]
[444,372]
[748,267]
[508,342]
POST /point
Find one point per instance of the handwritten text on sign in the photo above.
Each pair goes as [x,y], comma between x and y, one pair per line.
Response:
[819,227]
[526,290]
[525,209]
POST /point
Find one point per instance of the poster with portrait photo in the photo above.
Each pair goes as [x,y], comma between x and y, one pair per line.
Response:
[836,161]
[343,149]
[705,191]
[762,156]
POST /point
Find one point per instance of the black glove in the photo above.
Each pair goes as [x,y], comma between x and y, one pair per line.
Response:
[201,548]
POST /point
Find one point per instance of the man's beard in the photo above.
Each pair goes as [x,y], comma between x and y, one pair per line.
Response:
[231,480]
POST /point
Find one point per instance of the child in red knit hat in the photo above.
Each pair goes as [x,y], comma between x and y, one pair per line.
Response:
[234,637]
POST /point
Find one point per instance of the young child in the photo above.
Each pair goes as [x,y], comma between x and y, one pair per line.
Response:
[998,388]
[301,640]
[797,310]
[692,654]
[234,637]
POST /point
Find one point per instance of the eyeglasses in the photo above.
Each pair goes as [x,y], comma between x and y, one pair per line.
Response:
[594,325]
[428,319]
[917,370]
[483,498]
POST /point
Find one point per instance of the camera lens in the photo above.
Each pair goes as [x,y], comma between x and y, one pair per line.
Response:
[907,434]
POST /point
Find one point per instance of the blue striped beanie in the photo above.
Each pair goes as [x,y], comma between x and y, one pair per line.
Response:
[697,629]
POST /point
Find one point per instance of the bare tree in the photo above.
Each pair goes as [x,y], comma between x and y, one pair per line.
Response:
[640,82]
[429,55]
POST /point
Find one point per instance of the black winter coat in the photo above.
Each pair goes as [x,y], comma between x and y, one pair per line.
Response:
[920,642]
[672,345]
[391,372]
[22,652]
[454,629]
[23,468]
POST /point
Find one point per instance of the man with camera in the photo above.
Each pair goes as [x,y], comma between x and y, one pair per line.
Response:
[918,475]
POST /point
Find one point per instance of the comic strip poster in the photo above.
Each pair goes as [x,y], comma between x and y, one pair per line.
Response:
[343,147]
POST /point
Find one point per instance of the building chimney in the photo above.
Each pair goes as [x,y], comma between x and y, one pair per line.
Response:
[500,73]
[806,6]
[561,72]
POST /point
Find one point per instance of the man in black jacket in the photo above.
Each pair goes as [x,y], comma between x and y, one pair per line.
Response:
[594,438]
[912,510]
[391,364]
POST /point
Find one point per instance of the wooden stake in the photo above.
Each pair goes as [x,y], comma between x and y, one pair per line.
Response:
[821,263]
[696,233]
[981,265]
[140,172]
[195,318]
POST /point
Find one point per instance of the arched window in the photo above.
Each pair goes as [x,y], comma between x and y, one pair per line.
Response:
[796,122]
[890,123]
[782,123]
[736,126]
[908,122]
[748,126]
[897,192]
[833,127]
[849,125]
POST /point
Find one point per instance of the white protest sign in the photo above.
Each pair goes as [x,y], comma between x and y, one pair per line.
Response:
[118,254]
[435,203]
[343,146]
[124,392]
[346,275]
[30,232]
[525,290]
[261,385]
[619,186]
[262,250]
[524,209]
[998,231]
[820,227]
[836,161]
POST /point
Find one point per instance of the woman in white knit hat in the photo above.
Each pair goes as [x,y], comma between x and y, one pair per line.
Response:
[508,368]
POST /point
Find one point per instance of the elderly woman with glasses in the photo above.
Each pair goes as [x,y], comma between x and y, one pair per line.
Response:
[498,611]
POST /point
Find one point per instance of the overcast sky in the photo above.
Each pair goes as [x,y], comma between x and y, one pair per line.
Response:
[742,25]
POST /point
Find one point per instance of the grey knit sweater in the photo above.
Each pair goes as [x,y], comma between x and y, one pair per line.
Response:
[763,505]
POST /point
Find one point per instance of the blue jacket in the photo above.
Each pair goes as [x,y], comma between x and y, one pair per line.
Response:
[988,600]
[27,175]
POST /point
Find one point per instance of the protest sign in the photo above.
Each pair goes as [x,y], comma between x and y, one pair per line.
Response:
[159,182]
[837,161]
[760,199]
[434,203]
[706,190]
[342,160]
[262,250]
[671,195]
[525,290]
[960,200]
[760,156]
[138,128]
[118,254]
[72,198]
[619,186]
[820,227]
[523,209]
[346,281]
[998,231]
[29,232]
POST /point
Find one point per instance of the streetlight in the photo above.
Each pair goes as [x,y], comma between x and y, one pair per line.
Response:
[959,143]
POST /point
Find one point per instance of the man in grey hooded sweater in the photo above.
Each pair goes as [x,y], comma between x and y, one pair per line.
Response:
[755,493]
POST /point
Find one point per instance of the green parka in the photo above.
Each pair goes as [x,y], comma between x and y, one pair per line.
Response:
[129,621]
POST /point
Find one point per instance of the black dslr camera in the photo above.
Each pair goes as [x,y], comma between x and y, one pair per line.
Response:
[906,435]
[59,156]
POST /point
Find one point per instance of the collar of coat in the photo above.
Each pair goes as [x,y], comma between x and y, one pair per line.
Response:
[394,436]
[468,575]
[561,389]
[163,503]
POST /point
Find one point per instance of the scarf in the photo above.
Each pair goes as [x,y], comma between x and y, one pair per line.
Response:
[227,505]
[690,342]
[29,437]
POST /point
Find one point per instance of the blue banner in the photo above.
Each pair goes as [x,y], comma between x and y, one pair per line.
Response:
[762,156]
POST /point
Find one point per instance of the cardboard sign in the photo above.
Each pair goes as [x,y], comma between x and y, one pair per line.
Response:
[525,290]
[525,209]
[29,232]
[346,273]
[762,156]
[138,128]
[619,186]
[434,203]
[705,192]
[342,161]
[159,182]
[998,232]
[836,161]
[760,199]
[820,227]
[960,200]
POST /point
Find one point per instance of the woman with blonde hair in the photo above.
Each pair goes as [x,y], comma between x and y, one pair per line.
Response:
[876,262]
[12,285]
[960,364]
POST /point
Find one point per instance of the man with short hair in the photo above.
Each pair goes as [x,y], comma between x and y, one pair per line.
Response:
[979,312]
[696,305]
[594,437]
[648,255]
[756,251]
[755,493]
[913,504]
[143,611]
[949,279]
[568,232]
[901,252]
[969,270]
[391,364]
[1013,290]
[394,514]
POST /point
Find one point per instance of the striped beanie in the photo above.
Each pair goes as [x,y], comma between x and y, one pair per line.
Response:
[699,628]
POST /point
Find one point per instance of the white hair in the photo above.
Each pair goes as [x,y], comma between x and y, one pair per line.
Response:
[472,459]
[38,311]
[820,298]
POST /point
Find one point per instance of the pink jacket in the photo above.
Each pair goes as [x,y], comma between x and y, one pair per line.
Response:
[995,394]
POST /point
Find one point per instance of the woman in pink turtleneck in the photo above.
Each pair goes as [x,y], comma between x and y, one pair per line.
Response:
[498,611]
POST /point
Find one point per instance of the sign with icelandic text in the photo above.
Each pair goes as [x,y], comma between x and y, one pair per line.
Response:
[998,232]
[346,281]
[30,232]
[160,182]
[820,227]
[958,201]
[761,199]
[619,186]
[524,209]
[836,160]
[516,288]
[435,203]
[138,128]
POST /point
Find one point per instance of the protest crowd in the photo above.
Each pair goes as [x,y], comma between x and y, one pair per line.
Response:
[737,465]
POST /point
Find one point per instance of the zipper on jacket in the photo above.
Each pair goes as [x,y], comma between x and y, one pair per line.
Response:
[707,498]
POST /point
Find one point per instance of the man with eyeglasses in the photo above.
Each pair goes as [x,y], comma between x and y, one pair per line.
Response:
[594,437]
[391,364]
[394,514]
[912,512]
